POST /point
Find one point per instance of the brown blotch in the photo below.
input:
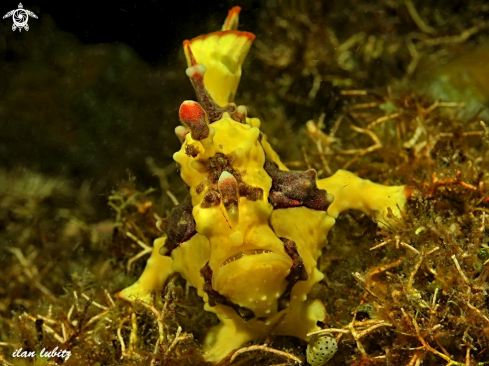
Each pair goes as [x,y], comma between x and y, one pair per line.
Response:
[229,193]
[295,189]
[297,272]
[199,188]
[251,193]
[218,164]
[239,114]
[191,150]
[211,198]
[179,226]
[199,131]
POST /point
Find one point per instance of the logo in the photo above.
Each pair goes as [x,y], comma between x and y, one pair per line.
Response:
[20,17]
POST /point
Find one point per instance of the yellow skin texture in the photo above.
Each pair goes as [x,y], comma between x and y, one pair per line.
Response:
[223,63]
[253,281]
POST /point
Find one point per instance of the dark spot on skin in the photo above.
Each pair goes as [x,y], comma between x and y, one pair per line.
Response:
[297,272]
[238,116]
[218,164]
[199,188]
[191,150]
[211,198]
[251,193]
[229,193]
[179,226]
[295,189]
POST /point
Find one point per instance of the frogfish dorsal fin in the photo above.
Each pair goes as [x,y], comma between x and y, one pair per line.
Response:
[222,53]
[232,20]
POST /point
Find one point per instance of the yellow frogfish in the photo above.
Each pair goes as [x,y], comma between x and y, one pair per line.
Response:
[250,232]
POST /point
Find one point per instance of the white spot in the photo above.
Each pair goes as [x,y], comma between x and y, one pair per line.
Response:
[242,109]
[196,69]
[181,131]
[264,297]
[225,175]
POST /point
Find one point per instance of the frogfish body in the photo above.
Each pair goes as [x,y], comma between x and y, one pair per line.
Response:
[250,232]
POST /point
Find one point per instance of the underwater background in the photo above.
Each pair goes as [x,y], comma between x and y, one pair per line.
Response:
[89,102]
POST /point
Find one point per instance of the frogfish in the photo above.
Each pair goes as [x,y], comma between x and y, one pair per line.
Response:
[250,232]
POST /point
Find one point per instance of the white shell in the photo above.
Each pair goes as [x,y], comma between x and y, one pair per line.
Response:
[321,349]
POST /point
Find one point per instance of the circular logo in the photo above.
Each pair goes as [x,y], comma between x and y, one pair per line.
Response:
[20,17]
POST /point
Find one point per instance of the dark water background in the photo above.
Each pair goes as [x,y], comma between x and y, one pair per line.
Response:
[93,89]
